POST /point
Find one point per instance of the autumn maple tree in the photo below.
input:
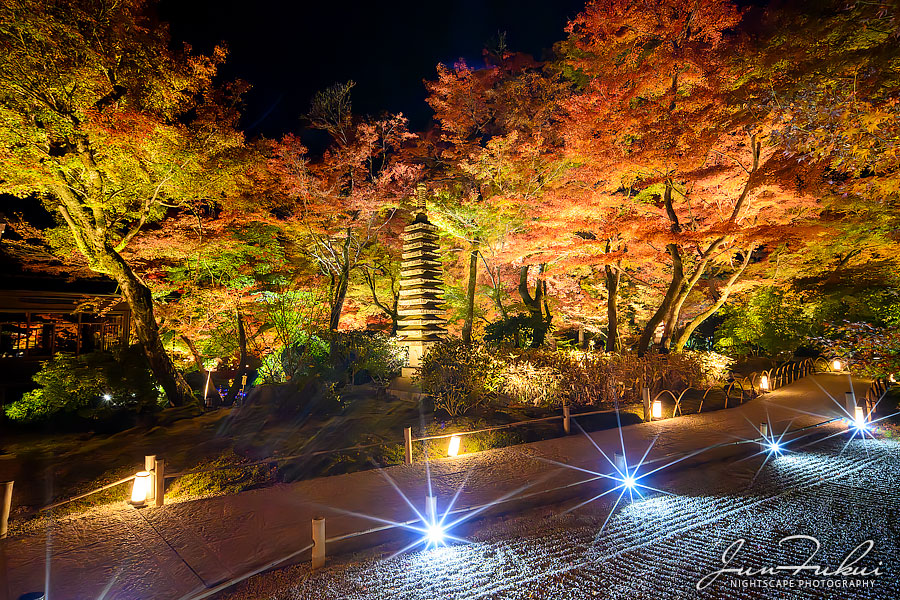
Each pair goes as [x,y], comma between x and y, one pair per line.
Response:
[658,121]
[109,127]
[493,157]
[346,198]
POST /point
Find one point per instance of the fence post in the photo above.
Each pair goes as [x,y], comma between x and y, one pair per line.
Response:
[619,461]
[645,396]
[318,536]
[567,419]
[150,467]
[407,442]
[850,403]
[764,432]
[159,482]
[6,488]
[431,508]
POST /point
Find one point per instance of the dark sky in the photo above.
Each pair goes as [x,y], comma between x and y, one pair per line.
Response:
[289,50]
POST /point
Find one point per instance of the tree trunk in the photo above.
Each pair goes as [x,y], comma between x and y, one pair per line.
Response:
[675,313]
[663,310]
[470,295]
[243,367]
[535,305]
[140,301]
[723,297]
[195,354]
[391,310]
[613,276]
[339,294]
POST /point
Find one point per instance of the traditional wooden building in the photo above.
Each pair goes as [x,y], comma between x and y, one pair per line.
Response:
[38,324]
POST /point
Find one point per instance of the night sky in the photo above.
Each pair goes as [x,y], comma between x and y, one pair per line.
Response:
[289,50]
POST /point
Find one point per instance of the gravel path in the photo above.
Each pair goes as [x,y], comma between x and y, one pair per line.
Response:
[188,548]
[657,547]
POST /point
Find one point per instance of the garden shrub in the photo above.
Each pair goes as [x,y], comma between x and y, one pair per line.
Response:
[340,357]
[94,386]
[516,331]
[460,377]
[551,378]
[529,382]
[374,353]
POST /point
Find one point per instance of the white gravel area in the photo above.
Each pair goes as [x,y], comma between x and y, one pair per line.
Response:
[657,547]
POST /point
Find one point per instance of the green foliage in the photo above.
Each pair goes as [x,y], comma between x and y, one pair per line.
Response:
[372,352]
[515,332]
[772,321]
[93,386]
[460,377]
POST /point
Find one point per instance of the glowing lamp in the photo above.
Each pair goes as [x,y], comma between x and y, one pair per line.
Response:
[859,419]
[657,409]
[141,489]
[764,383]
[453,449]
[434,534]
[107,397]
[836,365]
[774,448]
[629,482]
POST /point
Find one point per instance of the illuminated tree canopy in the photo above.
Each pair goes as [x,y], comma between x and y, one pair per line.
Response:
[669,168]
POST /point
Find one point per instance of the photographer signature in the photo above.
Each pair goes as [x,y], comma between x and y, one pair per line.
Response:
[847,568]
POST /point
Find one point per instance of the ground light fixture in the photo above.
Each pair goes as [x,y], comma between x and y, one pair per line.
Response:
[657,409]
[453,448]
[434,535]
[837,365]
[859,419]
[764,383]
[140,490]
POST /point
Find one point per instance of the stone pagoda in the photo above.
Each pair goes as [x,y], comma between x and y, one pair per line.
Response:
[420,311]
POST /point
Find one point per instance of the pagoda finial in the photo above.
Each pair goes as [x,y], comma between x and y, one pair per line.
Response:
[420,198]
